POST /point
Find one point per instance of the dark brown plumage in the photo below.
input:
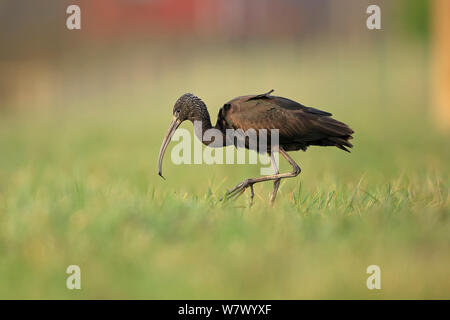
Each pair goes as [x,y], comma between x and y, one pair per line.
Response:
[299,127]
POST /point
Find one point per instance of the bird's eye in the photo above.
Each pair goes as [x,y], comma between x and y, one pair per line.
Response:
[177,111]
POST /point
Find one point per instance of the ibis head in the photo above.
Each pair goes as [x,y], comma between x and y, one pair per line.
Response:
[187,107]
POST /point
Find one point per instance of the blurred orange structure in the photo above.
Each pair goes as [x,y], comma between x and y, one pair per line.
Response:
[116,17]
[225,18]
[441,70]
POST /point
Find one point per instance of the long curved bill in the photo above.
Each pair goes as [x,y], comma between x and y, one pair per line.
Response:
[172,128]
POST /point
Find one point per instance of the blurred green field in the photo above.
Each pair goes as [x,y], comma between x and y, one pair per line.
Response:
[79,185]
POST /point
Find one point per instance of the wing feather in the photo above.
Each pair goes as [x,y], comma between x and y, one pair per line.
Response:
[299,126]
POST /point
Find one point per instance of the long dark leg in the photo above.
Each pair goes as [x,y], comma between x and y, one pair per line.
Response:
[276,183]
[240,188]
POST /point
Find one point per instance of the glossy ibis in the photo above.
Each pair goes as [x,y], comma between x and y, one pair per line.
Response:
[299,127]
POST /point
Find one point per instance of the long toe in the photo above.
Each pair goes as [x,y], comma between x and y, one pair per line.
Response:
[237,190]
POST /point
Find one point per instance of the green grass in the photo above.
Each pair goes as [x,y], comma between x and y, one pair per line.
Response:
[79,185]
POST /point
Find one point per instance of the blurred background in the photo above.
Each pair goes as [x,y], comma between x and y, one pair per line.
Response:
[83,113]
[137,49]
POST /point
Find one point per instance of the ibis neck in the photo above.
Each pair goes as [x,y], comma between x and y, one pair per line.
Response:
[202,123]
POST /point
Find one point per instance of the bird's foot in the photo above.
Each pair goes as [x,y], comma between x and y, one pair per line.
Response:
[239,190]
